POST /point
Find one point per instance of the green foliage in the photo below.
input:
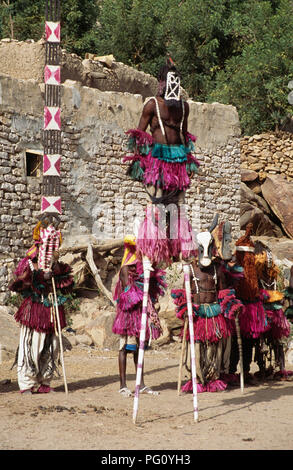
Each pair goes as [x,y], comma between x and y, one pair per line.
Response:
[22,19]
[135,31]
[15,300]
[198,41]
[78,22]
[237,52]
[72,304]
[79,25]
[256,80]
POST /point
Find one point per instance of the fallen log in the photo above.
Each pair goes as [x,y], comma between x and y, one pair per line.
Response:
[95,272]
[101,247]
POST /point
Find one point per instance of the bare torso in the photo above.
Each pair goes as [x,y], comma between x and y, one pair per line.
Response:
[171,117]
[209,280]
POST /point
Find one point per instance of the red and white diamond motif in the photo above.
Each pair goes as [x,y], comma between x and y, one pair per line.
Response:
[52,31]
[52,118]
[52,75]
[51,165]
[51,204]
[50,239]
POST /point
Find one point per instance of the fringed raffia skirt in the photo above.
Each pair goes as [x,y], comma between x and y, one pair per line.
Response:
[166,168]
[129,304]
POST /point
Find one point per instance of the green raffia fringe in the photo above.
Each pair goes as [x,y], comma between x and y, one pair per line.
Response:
[191,167]
[132,147]
[289,312]
[289,292]
[273,306]
[170,153]
[135,171]
[209,310]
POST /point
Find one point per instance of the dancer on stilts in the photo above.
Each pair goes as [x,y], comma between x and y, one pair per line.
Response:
[164,163]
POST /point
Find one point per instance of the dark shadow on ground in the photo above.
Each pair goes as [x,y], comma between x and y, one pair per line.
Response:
[103,381]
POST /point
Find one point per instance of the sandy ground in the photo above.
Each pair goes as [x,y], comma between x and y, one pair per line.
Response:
[94,416]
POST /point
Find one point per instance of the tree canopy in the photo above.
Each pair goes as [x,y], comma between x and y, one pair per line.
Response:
[236,52]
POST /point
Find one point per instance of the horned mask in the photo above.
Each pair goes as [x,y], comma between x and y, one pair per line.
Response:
[206,245]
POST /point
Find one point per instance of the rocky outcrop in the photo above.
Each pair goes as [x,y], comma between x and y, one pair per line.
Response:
[255,209]
[267,171]
[278,193]
[248,176]
[9,333]
[99,330]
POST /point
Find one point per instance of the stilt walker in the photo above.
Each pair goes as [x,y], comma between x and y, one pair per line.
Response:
[164,163]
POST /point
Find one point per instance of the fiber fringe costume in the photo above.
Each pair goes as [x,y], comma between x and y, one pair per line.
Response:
[165,166]
[165,172]
[38,346]
[212,327]
[289,296]
[278,326]
[129,297]
[252,319]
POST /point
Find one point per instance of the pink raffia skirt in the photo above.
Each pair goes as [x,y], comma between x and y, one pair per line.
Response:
[253,320]
[128,321]
[165,166]
[279,325]
[213,386]
[154,240]
[129,305]
[38,317]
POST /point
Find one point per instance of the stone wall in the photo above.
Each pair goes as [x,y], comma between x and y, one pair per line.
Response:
[268,154]
[99,200]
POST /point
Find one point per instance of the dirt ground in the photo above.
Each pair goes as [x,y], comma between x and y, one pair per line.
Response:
[93,416]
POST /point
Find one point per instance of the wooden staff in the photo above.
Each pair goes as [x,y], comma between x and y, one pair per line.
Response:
[186,271]
[182,355]
[240,353]
[141,339]
[60,335]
